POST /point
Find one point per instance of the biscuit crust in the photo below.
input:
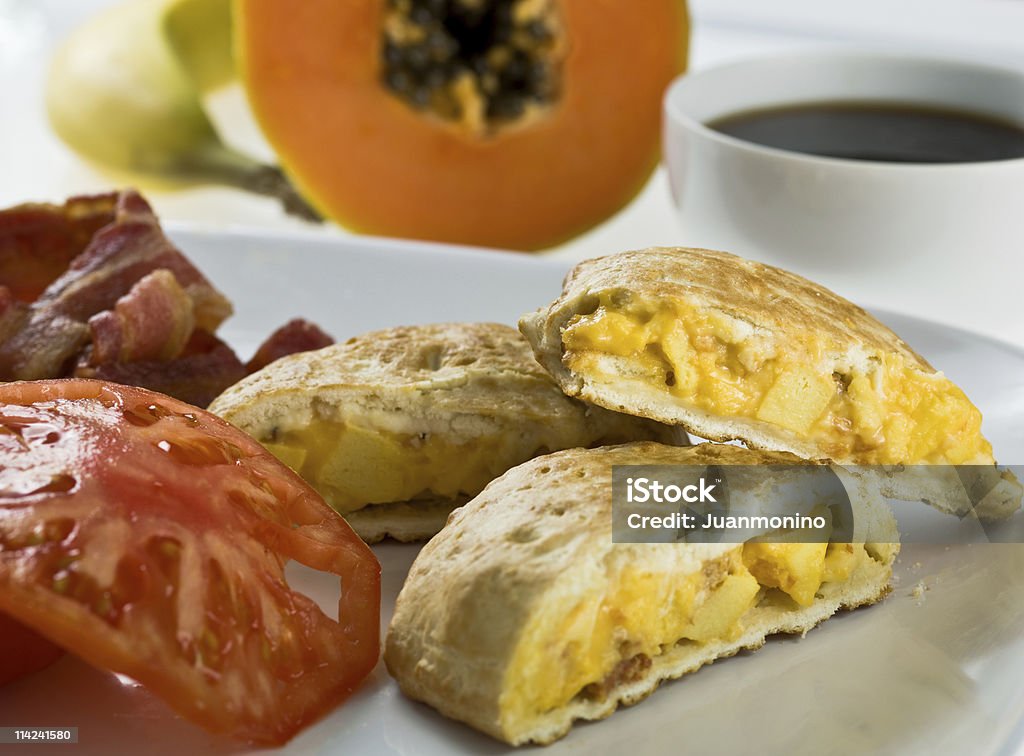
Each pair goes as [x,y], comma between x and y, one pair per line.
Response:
[543,531]
[465,383]
[772,304]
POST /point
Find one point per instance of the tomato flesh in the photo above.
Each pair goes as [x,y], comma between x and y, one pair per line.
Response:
[150,537]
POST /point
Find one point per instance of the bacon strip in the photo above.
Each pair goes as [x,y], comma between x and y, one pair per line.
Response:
[297,335]
[115,300]
[12,313]
[153,321]
[207,367]
[38,241]
[118,256]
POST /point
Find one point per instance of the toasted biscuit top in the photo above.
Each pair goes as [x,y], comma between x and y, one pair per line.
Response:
[446,375]
[532,545]
[763,296]
[570,491]
[457,363]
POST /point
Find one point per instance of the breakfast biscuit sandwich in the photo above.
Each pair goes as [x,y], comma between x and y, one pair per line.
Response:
[523,615]
[732,349]
[397,427]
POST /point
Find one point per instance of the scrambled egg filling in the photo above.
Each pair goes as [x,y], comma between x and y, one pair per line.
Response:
[353,467]
[709,361]
[646,612]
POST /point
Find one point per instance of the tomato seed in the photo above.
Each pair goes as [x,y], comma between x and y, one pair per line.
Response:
[61,582]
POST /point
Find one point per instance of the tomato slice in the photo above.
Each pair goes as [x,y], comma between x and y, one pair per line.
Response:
[150,537]
[24,651]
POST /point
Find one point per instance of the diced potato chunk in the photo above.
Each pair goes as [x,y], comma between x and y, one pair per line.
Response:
[795,568]
[796,399]
[718,616]
[841,560]
[366,465]
[293,456]
[865,407]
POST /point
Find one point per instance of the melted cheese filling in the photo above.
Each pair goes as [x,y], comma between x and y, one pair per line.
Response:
[644,612]
[352,466]
[708,361]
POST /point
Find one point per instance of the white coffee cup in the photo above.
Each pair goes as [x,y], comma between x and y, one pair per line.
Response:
[878,232]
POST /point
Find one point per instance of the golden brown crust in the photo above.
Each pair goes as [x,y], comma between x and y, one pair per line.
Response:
[764,296]
[773,304]
[542,531]
[455,362]
[768,300]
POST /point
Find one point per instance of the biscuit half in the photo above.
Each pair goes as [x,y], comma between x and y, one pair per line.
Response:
[398,427]
[522,616]
[732,349]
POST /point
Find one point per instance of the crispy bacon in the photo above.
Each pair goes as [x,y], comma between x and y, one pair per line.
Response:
[201,373]
[115,300]
[38,241]
[153,321]
[29,352]
[297,335]
[12,313]
[119,255]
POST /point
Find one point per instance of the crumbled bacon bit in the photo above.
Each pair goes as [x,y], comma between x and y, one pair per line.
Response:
[626,671]
[715,573]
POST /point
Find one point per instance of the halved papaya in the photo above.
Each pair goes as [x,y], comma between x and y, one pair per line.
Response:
[509,123]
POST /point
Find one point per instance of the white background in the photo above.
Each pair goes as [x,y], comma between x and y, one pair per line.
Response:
[35,165]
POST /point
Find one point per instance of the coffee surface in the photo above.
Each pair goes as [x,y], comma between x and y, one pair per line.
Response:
[878,131]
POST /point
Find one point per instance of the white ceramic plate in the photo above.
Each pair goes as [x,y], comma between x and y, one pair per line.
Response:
[936,672]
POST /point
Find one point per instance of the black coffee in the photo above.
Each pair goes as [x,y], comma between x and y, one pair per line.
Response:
[879,131]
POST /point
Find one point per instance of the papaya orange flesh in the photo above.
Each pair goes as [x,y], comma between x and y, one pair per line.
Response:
[507,123]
